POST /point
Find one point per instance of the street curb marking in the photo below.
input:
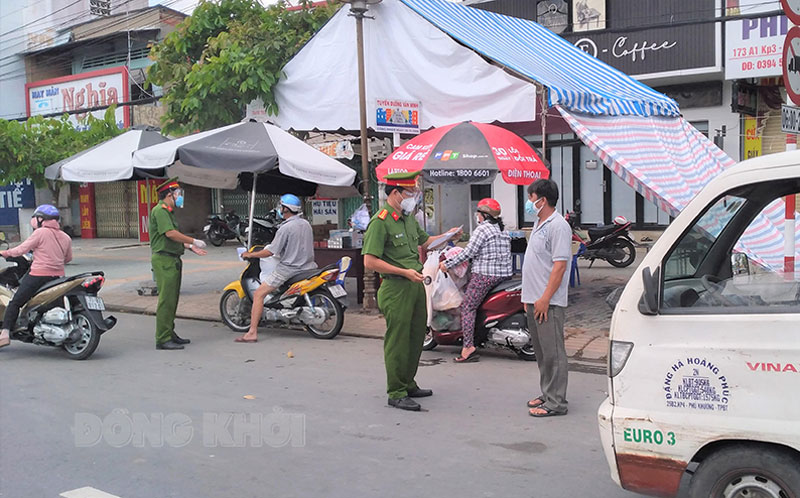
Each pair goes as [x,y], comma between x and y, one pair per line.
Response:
[87,492]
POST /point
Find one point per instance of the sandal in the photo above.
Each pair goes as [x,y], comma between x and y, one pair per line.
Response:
[472,358]
[536,402]
[242,339]
[547,412]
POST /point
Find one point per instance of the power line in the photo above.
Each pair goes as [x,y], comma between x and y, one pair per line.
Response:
[41,18]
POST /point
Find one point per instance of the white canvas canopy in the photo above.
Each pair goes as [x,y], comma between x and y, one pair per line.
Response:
[406,58]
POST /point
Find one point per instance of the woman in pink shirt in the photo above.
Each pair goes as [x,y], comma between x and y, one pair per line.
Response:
[52,249]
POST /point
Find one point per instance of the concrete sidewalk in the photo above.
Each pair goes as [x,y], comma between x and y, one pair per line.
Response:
[127,265]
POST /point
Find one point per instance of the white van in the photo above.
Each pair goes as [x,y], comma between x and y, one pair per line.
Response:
[704,361]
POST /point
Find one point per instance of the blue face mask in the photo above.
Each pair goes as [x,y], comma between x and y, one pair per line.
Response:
[179,201]
[531,209]
[279,213]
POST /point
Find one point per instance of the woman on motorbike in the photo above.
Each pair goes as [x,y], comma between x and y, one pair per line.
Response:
[489,249]
[52,249]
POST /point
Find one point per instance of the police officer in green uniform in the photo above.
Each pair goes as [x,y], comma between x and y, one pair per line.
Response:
[390,248]
[166,246]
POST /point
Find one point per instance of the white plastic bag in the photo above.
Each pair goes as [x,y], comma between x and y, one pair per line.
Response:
[446,295]
[360,218]
[267,266]
[429,270]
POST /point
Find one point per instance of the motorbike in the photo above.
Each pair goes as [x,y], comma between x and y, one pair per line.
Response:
[314,298]
[612,243]
[229,226]
[65,312]
[500,323]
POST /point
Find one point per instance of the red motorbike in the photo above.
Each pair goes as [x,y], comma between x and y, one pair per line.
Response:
[500,323]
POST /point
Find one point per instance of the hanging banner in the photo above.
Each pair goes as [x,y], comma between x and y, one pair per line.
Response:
[397,116]
[88,218]
[146,199]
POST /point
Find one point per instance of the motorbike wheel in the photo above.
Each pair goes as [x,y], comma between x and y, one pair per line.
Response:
[429,342]
[526,353]
[627,248]
[215,237]
[331,327]
[90,338]
[235,311]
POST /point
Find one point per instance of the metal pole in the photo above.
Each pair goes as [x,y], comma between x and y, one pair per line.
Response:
[252,210]
[370,301]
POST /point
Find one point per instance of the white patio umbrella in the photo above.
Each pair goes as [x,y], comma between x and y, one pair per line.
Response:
[107,161]
[260,156]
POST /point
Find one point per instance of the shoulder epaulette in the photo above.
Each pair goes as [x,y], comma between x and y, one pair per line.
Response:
[382,214]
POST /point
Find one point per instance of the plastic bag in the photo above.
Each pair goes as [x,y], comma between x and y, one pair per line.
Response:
[429,270]
[360,218]
[267,266]
[445,295]
[444,321]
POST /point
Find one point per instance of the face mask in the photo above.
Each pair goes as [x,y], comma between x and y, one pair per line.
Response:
[408,204]
[531,209]
[35,223]
[478,219]
[179,201]
[279,213]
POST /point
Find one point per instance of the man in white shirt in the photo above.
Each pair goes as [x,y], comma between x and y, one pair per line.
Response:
[545,280]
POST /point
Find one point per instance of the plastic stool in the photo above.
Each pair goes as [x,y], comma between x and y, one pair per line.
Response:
[574,273]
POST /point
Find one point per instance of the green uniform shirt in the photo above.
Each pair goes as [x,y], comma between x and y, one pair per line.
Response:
[394,238]
[162,220]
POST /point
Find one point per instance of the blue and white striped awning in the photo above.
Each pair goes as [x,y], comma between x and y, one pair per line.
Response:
[576,80]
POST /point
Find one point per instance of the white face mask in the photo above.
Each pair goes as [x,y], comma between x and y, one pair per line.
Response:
[478,219]
[408,204]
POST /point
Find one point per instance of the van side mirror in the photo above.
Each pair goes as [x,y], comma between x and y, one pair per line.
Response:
[648,305]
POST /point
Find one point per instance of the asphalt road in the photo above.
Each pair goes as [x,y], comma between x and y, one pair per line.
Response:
[136,422]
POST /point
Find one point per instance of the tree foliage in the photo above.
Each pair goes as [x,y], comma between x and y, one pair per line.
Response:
[28,147]
[224,56]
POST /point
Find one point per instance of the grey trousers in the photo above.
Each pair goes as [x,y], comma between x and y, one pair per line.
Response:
[551,356]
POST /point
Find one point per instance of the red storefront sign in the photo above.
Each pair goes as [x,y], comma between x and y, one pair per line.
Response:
[88,218]
[147,197]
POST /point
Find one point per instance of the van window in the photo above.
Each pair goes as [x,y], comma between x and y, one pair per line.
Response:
[709,270]
[693,247]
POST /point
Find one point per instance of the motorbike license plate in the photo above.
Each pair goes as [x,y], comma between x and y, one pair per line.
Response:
[95,303]
[337,291]
[206,228]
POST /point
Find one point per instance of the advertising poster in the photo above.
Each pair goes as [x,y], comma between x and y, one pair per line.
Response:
[397,116]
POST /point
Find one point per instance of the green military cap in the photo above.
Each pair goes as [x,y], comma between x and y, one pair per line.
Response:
[168,184]
[405,179]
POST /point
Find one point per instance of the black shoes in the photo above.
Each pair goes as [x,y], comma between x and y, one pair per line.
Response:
[179,340]
[420,393]
[169,345]
[405,404]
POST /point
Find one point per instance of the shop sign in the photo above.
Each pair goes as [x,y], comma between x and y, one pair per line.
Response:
[753,46]
[14,196]
[146,198]
[752,140]
[655,52]
[341,149]
[81,91]
[397,116]
[324,210]
[88,218]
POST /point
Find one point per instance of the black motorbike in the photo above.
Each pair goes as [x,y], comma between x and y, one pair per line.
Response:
[65,312]
[612,243]
[229,226]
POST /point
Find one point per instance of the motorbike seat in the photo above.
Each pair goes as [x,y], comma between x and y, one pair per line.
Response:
[308,274]
[505,284]
[602,231]
[61,280]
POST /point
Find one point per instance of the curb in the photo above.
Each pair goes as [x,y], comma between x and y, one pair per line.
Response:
[121,308]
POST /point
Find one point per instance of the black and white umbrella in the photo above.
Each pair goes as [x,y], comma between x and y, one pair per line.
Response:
[107,161]
[255,156]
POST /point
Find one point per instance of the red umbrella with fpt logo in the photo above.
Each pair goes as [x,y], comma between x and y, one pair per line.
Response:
[467,153]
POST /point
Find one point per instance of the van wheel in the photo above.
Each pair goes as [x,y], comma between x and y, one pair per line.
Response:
[746,470]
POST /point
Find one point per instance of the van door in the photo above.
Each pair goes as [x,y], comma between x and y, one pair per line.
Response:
[719,356]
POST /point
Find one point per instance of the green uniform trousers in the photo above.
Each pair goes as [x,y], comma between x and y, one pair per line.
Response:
[402,302]
[167,270]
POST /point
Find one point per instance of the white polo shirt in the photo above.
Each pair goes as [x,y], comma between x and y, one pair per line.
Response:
[550,241]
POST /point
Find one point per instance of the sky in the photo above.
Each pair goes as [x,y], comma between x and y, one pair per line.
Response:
[187,6]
